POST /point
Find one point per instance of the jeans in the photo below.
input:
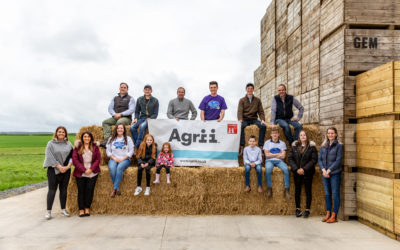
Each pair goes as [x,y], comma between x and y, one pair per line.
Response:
[137,139]
[286,129]
[57,180]
[298,181]
[332,188]
[269,166]
[112,121]
[261,135]
[117,171]
[247,169]
[85,191]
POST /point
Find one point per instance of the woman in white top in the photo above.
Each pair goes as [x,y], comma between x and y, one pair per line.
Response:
[120,151]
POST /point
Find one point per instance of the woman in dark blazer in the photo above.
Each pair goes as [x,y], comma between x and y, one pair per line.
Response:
[302,158]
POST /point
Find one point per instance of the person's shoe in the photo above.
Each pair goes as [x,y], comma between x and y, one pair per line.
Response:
[138,190]
[298,213]
[47,216]
[306,214]
[247,189]
[287,194]
[241,150]
[113,193]
[327,216]
[65,213]
[168,179]
[87,212]
[269,192]
[157,179]
[147,192]
[81,213]
[103,144]
[118,192]
[259,189]
[332,219]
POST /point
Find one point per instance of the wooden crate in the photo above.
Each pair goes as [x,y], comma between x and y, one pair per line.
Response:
[378,145]
[266,92]
[350,146]
[310,102]
[396,203]
[281,59]
[257,77]
[349,98]
[310,29]
[281,8]
[294,16]
[310,78]
[268,44]
[348,205]
[281,30]
[281,78]
[294,48]
[378,91]
[376,199]
[332,79]
[294,79]
[308,8]
[332,17]
[268,20]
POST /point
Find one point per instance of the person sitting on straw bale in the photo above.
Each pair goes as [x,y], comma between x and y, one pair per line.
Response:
[121,109]
[146,158]
[282,113]
[146,109]
[180,107]
[86,159]
[275,152]
[165,159]
[119,150]
[249,109]
[252,158]
[302,158]
[213,106]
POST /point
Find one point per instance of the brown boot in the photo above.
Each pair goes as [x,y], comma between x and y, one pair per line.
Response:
[269,192]
[332,219]
[287,194]
[113,193]
[247,189]
[327,216]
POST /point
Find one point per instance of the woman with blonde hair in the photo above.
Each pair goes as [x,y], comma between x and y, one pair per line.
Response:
[146,158]
[330,164]
[58,163]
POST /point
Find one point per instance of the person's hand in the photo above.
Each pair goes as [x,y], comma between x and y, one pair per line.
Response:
[88,171]
[300,171]
[219,120]
[134,121]
[294,119]
[117,116]
[240,121]
[148,118]
[143,165]
[176,118]
[252,165]
[146,165]
[263,122]
[118,160]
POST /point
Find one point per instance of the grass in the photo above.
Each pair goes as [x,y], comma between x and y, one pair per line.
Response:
[21,159]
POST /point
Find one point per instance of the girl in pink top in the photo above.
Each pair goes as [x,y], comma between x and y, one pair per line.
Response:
[165,159]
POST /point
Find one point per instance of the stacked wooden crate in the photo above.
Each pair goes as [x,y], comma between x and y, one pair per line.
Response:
[378,148]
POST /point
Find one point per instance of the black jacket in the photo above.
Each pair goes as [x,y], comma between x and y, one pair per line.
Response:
[284,110]
[306,161]
[147,158]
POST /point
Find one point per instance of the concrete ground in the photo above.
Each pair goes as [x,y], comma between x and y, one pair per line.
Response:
[22,226]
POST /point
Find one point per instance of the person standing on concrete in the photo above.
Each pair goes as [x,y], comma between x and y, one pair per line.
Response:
[213,106]
[330,163]
[58,163]
[180,107]
[121,109]
[249,109]
[146,109]
[302,159]
[275,152]
[282,113]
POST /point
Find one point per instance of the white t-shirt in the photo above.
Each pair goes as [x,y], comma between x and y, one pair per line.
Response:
[274,147]
[119,149]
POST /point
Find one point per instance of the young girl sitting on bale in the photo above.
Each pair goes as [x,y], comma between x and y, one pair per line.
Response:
[146,158]
[165,160]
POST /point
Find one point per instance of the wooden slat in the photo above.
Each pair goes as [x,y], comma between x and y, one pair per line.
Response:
[281,59]
[268,44]
[294,79]
[294,16]
[310,71]
[310,102]
[396,197]
[372,12]
[349,98]
[281,30]
[332,12]
[310,31]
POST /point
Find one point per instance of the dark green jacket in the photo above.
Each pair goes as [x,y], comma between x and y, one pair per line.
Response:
[149,110]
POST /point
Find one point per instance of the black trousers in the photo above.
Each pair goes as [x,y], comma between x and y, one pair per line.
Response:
[167,169]
[85,191]
[298,181]
[139,175]
[57,181]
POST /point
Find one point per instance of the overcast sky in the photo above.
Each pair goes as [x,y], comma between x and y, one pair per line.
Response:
[61,62]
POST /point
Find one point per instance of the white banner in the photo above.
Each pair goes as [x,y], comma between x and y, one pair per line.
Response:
[198,143]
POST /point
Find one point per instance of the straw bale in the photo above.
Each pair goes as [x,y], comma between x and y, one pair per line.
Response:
[195,191]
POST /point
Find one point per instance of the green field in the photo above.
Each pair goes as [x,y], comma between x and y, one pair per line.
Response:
[21,159]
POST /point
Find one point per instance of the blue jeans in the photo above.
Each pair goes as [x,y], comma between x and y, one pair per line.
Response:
[269,166]
[286,129]
[137,139]
[261,134]
[332,188]
[117,171]
[247,169]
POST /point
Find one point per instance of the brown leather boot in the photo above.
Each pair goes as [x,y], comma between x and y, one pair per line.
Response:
[327,216]
[113,193]
[332,219]
[287,194]
[247,189]
[269,192]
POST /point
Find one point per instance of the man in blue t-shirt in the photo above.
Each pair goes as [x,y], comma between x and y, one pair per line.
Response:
[275,153]
[213,106]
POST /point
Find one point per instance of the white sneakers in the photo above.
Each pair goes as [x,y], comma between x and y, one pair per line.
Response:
[138,190]
[147,192]
[65,213]
[47,215]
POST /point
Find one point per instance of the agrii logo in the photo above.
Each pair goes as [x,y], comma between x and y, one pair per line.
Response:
[187,139]
[232,129]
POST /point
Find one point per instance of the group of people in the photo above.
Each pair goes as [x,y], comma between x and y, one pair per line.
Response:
[120,147]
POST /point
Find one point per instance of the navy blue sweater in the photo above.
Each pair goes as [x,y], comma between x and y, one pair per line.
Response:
[330,157]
